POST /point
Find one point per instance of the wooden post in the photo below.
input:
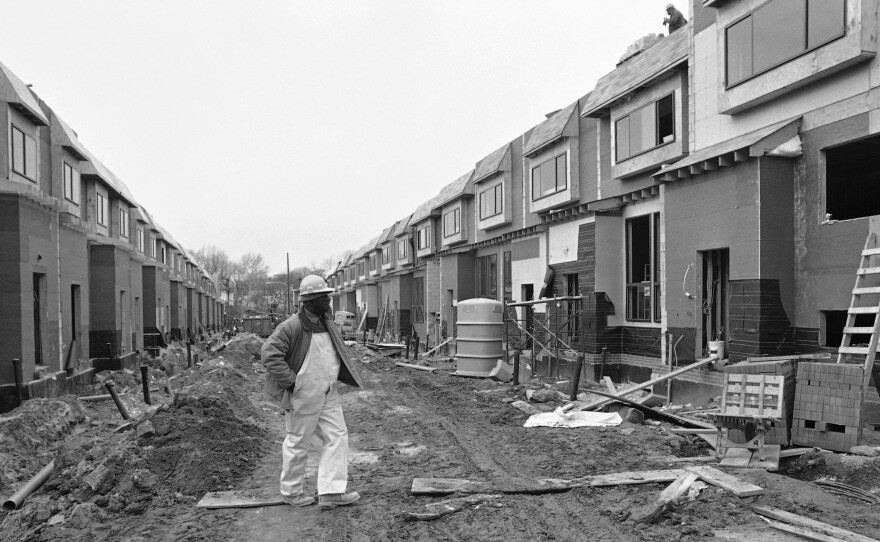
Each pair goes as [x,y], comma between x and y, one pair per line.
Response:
[408,341]
[576,380]
[669,364]
[602,366]
[189,359]
[145,383]
[516,368]
[115,396]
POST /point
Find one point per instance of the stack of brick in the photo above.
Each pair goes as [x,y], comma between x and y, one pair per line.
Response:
[780,433]
[828,406]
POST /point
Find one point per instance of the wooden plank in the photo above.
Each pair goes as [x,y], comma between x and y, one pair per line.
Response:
[800,531]
[858,330]
[812,524]
[419,367]
[736,457]
[869,271]
[862,350]
[630,478]
[669,495]
[649,383]
[686,422]
[871,252]
[794,452]
[240,498]
[863,310]
[610,385]
[445,486]
[725,481]
[865,290]
[691,431]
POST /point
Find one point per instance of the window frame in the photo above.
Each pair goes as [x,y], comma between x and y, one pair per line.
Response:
[102,209]
[653,305]
[373,262]
[486,269]
[807,47]
[71,183]
[496,199]
[656,105]
[456,222]
[426,230]
[405,244]
[386,254]
[25,155]
[124,224]
[555,160]
[140,240]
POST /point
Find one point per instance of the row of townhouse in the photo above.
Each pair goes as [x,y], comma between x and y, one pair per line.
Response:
[717,185]
[85,271]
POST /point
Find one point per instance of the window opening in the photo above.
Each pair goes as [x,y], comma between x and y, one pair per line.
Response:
[487,276]
[549,177]
[645,128]
[452,222]
[852,179]
[642,281]
[492,201]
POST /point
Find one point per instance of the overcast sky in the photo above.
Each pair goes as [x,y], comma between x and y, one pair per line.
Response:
[307,126]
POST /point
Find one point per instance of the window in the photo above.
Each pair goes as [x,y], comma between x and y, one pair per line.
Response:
[424,237]
[403,249]
[418,300]
[487,276]
[140,240]
[852,180]
[549,177]
[123,222]
[154,244]
[508,276]
[372,262]
[386,254]
[642,276]
[102,209]
[71,184]
[164,254]
[645,128]
[778,32]
[492,201]
[24,154]
[452,222]
[361,271]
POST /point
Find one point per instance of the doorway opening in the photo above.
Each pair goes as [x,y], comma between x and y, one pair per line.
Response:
[714,300]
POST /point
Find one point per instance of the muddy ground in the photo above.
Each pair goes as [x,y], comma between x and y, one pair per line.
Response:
[216,432]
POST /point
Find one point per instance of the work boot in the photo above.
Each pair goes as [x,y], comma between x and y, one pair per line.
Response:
[298,500]
[332,500]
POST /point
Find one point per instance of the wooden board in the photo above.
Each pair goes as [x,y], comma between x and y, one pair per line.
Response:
[446,486]
[240,498]
[725,481]
[609,384]
[801,531]
[811,524]
[450,506]
[672,492]
[649,383]
[736,457]
[629,478]
[418,367]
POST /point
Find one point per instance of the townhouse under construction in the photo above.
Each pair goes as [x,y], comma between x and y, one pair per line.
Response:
[87,277]
[716,187]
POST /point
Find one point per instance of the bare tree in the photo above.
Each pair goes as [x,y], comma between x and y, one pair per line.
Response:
[215,261]
[252,275]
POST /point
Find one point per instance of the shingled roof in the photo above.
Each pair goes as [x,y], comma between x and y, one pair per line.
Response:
[550,130]
[636,72]
[490,164]
[454,190]
[20,96]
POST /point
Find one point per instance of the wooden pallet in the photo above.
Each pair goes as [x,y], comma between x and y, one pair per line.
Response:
[753,395]
[756,400]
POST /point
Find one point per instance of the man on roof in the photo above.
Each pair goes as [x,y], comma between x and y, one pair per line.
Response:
[675,20]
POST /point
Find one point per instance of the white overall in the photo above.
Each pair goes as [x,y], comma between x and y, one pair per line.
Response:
[316,410]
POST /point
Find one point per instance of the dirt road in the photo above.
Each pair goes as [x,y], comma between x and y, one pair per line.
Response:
[218,434]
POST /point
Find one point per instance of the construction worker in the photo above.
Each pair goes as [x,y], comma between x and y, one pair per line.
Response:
[304,358]
[675,20]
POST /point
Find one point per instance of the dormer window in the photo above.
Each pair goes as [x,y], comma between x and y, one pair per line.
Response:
[403,249]
[24,154]
[452,222]
[71,184]
[778,32]
[386,254]
[101,209]
[549,177]
[423,237]
[645,128]
[140,240]
[123,222]
[492,201]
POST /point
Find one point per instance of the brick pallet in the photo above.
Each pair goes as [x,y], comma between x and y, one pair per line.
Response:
[828,405]
[787,368]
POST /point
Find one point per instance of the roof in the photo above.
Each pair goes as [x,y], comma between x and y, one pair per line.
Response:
[93,166]
[386,233]
[454,190]
[68,139]
[359,253]
[18,94]
[637,72]
[757,143]
[550,130]
[490,164]
[400,227]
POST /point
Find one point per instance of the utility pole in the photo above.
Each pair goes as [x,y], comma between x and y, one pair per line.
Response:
[287,306]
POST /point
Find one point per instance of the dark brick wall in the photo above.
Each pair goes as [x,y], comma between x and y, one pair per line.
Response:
[758,322]
[640,341]
[104,344]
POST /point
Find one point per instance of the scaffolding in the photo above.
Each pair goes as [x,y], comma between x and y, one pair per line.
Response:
[554,340]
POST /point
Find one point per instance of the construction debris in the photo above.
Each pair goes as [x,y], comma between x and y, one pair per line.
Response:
[560,418]
[676,489]
[417,367]
[806,527]
[450,506]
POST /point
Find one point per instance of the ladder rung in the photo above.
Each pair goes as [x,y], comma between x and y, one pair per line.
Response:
[863,350]
[864,310]
[869,271]
[858,330]
[868,290]
[871,252]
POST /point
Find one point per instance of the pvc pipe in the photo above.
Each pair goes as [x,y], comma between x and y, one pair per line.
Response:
[33,484]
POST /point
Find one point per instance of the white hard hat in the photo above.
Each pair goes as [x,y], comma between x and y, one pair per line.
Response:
[670,6]
[312,286]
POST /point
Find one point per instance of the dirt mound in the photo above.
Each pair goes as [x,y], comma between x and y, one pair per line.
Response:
[27,433]
[206,440]
[243,349]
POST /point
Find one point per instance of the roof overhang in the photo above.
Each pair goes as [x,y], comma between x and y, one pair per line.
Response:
[780,139]
[616,203]
[19,96]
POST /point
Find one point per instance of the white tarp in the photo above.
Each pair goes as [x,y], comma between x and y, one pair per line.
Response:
[557,418]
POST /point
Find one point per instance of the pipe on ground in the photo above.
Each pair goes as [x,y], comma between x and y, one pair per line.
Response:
[119,405]
[32,485]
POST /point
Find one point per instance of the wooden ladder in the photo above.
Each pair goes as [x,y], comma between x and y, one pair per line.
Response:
[383,322]
[865,300]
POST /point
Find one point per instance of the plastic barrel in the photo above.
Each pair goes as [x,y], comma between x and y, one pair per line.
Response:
[478,346]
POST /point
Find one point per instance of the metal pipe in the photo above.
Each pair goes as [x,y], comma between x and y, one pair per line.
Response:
[189,358]
[576,381]
[516,368]
[547,300]
[112,389]
[19,379]
[602,366]
[32,485]
[145,383]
